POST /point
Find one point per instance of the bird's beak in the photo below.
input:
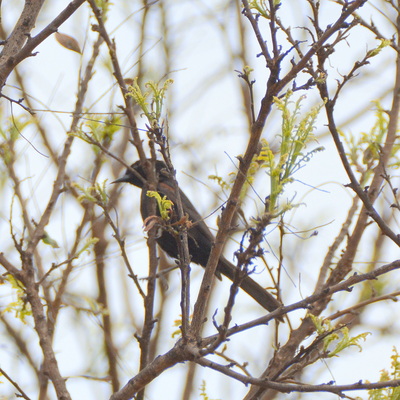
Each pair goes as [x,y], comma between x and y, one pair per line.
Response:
[123,179]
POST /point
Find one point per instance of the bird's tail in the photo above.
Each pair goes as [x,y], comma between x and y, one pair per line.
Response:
[250,286]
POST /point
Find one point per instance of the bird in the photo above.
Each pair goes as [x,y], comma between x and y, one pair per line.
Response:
[200,238]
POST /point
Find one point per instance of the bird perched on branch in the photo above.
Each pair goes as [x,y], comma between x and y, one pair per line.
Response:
[200,238]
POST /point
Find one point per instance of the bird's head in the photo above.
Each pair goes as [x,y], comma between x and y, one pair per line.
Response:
[139,178]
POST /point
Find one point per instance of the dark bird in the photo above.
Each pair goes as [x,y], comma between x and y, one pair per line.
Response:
[200,238]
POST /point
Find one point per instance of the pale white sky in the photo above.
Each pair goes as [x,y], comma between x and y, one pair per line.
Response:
[198,55]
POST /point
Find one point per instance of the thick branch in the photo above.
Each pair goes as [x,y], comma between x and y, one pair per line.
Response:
[13,54]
